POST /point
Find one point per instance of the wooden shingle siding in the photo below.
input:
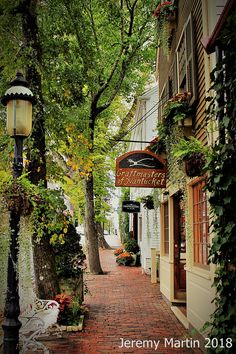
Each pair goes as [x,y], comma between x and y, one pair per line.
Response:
[166,63]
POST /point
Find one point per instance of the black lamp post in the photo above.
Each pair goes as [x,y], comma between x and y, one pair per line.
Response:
[18,99]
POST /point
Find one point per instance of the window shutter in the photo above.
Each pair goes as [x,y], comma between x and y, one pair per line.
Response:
[185,61]
[190,65]
[173,79]
[182,62]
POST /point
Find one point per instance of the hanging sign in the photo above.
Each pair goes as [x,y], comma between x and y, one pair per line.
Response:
[130,206]
[140,168]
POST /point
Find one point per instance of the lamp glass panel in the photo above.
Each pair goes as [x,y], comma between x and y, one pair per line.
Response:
[19,117]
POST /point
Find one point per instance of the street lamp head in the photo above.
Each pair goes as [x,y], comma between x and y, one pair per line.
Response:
[19,100]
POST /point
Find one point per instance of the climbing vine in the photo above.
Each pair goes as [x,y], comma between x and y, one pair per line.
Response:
[222,187]
[4,248]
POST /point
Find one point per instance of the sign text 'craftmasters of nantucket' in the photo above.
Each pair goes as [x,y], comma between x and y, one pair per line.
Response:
[140,168]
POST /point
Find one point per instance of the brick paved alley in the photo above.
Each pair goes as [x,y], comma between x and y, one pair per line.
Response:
[124,305]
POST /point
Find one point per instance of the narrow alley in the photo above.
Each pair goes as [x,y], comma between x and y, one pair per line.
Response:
[127,314]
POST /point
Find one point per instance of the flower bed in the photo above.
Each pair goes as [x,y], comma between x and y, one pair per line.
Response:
[70,309]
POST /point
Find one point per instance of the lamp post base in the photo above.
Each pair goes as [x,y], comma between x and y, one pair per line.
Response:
[11,327]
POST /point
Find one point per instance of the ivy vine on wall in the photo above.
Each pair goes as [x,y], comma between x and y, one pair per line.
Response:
[222,187]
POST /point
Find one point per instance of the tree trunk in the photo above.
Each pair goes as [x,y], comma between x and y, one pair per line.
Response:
[46,278]
[101,239]
[90,229]
[44,267]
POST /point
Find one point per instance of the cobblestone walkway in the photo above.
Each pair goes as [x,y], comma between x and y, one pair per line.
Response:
[127,315]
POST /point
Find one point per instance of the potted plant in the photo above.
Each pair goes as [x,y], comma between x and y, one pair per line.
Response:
[148,202]
[166,11]
[118,251]
[193,154]
[158,147]
[129,255]
[125,258]
[177,109]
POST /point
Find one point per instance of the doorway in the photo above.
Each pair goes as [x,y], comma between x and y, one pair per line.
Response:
[135,226]
[179,247]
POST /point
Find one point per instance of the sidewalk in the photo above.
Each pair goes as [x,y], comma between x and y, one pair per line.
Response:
[127,315]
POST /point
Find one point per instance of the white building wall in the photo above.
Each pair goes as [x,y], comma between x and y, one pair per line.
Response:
[148,220]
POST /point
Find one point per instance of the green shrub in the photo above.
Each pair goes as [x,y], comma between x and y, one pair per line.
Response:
[131,245]
[69,254]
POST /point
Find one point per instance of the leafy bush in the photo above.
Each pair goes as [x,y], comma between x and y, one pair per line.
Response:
[69,254]
[131,245]
[148,202]
[70,309]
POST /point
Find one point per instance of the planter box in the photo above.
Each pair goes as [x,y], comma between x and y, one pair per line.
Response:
[136,261]
[75,328]
[186,122]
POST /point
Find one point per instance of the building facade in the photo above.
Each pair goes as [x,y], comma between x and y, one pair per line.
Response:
[183,76]
[145,223]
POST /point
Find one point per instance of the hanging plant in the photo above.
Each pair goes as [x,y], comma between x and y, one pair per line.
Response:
[193,154]
[166,15]
[148,202]
[176,121]
[194,165]
[25,198]
[166,11]
[17,199]
[17,194]
[177,108]
[158,147]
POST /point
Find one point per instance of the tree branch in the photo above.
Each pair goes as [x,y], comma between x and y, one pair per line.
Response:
[124,124]
[123,51]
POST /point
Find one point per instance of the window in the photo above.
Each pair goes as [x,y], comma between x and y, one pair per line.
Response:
[173,79]
[166,228]
[200,224]
[185,61]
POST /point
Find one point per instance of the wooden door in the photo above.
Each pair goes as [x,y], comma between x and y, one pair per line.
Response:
[179,248]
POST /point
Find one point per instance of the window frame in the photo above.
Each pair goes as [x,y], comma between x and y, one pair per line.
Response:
[166,228]
[189,78]
[200,224]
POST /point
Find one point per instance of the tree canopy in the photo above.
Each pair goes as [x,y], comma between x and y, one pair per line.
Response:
[89,60]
